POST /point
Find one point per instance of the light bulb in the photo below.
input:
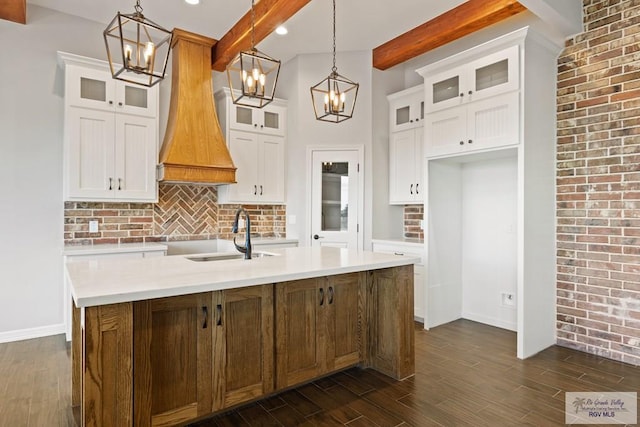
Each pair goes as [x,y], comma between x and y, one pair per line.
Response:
[256,74]
[148,53]
[263,79]
[127,53]
[244,76]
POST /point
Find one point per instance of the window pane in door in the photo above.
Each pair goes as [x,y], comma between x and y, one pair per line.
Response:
[492,75]
[335,196]
[93,89]
[135,96]
[271,120]
[402,115]
[446,89]
[244,115]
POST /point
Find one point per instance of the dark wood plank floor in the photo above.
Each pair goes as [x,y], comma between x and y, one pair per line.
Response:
[466,375]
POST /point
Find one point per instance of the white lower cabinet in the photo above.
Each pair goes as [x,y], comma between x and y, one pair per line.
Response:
[102,252]
[402,248]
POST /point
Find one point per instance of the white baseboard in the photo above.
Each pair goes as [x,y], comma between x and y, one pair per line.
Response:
[491,321]
[27,334]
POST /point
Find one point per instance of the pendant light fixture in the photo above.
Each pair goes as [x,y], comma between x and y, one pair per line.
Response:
[334,98]
[137,48]
[252,74]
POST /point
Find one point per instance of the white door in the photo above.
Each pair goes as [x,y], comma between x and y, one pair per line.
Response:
[336,198]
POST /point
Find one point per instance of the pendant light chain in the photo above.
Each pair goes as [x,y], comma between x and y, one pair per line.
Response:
[138,8]
[334,69]
[253,23]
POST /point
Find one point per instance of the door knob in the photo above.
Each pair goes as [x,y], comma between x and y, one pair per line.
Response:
[316,237]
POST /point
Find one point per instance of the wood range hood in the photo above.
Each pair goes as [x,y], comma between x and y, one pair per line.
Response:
[194,148]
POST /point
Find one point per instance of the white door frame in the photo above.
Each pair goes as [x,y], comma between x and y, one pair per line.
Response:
[309,186]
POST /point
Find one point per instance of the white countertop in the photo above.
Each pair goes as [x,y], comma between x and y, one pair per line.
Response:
[113,248]
[111,281]
[402,240]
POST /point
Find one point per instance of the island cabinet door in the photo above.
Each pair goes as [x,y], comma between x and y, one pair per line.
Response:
[300,352]
[172,359]
[243,344]
[343,314]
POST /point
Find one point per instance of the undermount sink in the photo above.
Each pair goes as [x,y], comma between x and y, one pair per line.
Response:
[226,256]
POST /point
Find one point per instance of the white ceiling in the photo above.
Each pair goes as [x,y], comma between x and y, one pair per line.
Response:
[361,24]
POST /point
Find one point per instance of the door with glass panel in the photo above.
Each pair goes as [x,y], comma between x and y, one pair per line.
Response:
[336,198]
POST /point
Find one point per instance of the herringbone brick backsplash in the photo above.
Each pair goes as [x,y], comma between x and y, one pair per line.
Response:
[183,212]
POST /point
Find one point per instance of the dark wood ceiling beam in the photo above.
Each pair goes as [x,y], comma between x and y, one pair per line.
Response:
[465,19]
[269,14]
[14,10]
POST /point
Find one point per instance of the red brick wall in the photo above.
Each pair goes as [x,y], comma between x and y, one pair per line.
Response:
[183,212]
[598,183]
[412,215]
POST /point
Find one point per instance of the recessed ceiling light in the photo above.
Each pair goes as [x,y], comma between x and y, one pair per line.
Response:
[281,30]
[192,1]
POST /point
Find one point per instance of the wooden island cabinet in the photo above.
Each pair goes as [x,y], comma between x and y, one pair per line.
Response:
[171,360]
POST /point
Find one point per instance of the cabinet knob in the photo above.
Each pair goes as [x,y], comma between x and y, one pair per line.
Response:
[461,94]
[471,141]
[110,102]
[261,126]
[461,142]
[120,104]
[255,125]
[411,121]
[470,92]
[417,120]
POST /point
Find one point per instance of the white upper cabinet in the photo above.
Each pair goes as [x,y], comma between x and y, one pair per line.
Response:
[472,102]
[406,109]
[406,122]
[405,167]
[92,88]
[487,76]
[111,135]
[256,141]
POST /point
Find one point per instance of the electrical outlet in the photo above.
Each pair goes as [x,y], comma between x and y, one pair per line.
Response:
[93,226]
[508,299]
[422,224]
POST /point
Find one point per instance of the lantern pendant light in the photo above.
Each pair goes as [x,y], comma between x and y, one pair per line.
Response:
[334,98]
[137,48]
[253,75]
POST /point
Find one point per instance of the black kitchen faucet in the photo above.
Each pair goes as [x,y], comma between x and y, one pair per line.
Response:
[246,249]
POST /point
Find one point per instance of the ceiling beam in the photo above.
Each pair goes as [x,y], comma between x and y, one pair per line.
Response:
[458,22]
[269,14]
[14,10]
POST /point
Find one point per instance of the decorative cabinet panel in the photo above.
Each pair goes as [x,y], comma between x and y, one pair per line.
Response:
[419,277]
[319,326]
[260,173]
[485,77]
[256,141]
[405,167]
[111,135]
[490,123]
[406,109]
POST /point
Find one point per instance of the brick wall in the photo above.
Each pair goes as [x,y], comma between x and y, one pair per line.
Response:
[412,216]
[183,212]
[598,183]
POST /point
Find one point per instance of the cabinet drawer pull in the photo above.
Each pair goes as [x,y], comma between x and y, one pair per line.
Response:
[417,186]
[119,184]
[219,310]
[398,253]
[110,183]
[255,190]
[205,313]
[321,296]
[411,189]
[330,294]
[261,190]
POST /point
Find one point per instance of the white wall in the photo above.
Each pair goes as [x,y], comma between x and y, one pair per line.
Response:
[297,76]
[31,120]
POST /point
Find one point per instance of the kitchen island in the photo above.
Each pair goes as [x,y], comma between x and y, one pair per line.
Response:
[168,340]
